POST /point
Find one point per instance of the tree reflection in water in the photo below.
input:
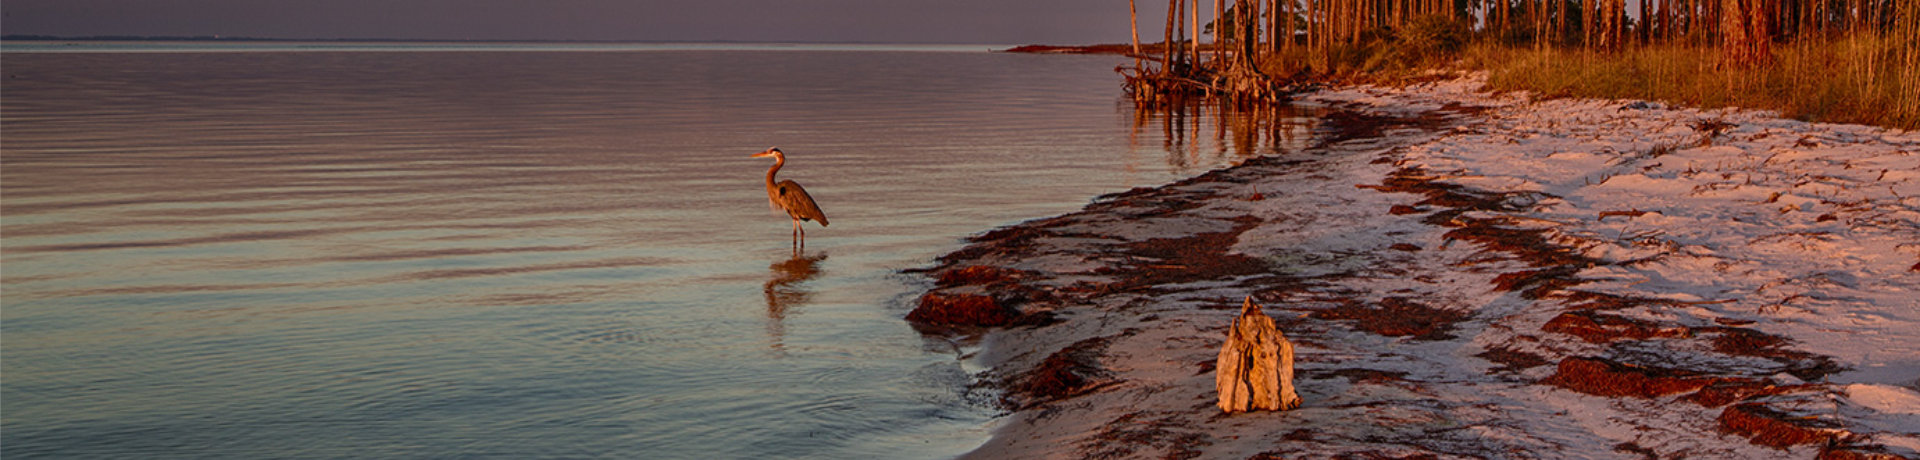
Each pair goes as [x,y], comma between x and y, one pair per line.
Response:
[1240,130]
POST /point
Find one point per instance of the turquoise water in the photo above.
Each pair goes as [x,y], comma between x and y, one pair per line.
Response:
[547,253]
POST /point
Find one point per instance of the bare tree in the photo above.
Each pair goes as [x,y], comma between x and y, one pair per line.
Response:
[1167,44]
[1133,17]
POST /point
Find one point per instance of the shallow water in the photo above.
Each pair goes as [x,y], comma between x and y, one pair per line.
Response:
[542,253]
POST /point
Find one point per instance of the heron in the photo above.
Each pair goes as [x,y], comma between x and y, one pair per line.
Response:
[787,196]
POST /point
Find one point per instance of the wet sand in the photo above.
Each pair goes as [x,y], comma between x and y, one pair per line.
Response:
[1467,274]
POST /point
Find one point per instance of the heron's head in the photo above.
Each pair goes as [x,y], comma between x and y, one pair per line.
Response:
[770,152]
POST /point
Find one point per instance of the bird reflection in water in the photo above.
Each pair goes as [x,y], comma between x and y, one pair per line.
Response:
[784,292]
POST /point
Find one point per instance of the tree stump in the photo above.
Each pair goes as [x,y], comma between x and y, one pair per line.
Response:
[1255,370]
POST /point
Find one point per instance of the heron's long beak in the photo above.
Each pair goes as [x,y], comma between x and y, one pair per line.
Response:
[763,154]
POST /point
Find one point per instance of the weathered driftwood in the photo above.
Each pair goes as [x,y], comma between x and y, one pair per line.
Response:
[1255,371]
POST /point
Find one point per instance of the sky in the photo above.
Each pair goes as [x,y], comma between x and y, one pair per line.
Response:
[837,21]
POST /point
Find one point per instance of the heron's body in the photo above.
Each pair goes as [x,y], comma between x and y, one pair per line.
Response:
[788,196]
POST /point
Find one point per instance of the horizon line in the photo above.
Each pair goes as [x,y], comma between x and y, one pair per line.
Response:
[218,38]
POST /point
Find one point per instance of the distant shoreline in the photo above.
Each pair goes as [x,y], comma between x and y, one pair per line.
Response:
[1147,50]
[1116,49]
[1074,49]
[11,47]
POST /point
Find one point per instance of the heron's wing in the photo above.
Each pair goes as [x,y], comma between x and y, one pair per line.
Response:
[798,203]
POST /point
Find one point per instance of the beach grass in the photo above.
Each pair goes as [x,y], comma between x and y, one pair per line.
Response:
[1865,78]
[1858,79]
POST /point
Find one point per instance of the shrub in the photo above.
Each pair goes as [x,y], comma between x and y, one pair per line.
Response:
[1433,36]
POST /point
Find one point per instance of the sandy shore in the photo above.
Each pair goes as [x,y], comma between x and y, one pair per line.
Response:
[1474,275]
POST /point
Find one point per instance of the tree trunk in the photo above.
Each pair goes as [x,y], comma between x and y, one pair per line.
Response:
[1313,27]
[1506,16]
[1287,45]
[1665,24]
[1255,368]
[1559,35]
[1248,38]
[1743,31]
[1133,20]
[1194,33]
[1173,17]
[1219,31]
[1642,33]
[1586,23]
[1273,26]
[1613,24]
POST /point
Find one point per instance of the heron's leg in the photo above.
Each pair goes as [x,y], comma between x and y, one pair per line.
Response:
[803,234]
[796,233]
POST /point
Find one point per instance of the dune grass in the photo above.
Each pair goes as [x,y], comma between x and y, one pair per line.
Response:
[1861,79]
[1866,78]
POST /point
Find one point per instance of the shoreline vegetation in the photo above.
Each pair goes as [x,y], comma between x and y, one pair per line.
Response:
[1842,61]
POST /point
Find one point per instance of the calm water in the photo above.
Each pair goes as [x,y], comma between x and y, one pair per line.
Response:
[429,252]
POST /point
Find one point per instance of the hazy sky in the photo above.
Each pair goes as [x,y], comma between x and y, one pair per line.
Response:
[898,21]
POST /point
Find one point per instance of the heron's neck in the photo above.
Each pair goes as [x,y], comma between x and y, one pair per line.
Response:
[777,163]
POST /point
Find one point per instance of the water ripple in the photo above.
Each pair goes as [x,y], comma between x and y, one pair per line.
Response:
[455,254]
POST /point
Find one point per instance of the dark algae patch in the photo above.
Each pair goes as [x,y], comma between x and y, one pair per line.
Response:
[1126,436]
[1597,327]
[977,296]
[1729,390]
[1602,377]
[1066,373]
[1201,257]
[961,309]
[1396,317]
[1765,426]
[1511,360]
